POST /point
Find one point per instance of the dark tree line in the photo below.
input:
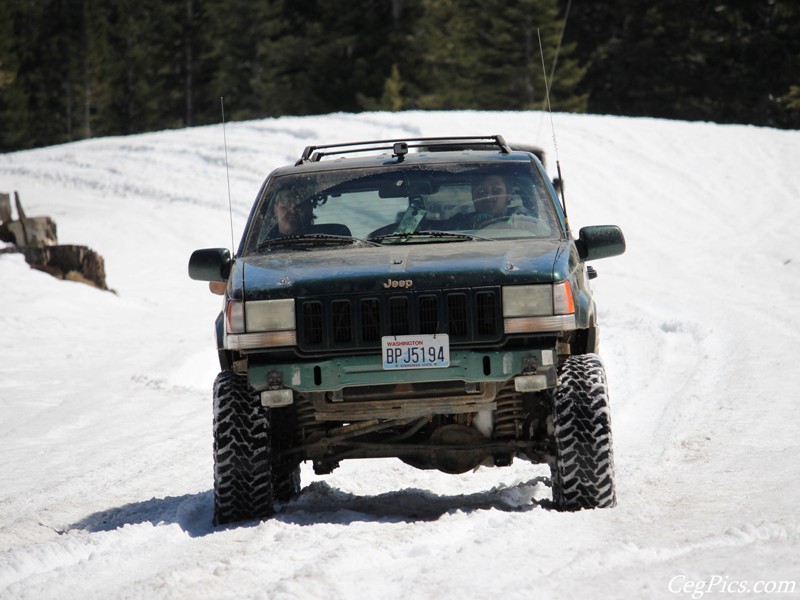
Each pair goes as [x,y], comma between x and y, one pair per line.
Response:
[72,69]
[728,61]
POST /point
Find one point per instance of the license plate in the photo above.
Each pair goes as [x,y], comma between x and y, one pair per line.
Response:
[416,351]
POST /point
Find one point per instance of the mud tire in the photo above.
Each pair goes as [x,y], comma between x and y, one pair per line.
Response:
[285,468]
[583,467]
[243,486]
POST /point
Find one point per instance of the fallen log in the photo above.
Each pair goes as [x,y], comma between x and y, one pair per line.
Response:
[70,262]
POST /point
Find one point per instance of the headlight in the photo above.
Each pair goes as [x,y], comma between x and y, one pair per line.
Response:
[260,324]
[527,300]
[538,308]
[269,315]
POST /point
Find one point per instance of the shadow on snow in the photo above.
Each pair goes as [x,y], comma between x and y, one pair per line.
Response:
[320,503]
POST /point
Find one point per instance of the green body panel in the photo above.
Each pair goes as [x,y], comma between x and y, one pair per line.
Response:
[345,371]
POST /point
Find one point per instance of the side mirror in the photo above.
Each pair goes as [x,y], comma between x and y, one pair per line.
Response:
[600,241]
[210,264]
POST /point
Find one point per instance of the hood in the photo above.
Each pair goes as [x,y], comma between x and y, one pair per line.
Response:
[416,267]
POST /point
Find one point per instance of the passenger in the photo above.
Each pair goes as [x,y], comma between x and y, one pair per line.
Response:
[491,199]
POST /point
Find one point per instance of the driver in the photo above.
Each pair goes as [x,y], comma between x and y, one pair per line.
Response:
[490,196]
[293,214]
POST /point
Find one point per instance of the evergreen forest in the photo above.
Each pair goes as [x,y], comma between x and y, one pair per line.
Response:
[75,69]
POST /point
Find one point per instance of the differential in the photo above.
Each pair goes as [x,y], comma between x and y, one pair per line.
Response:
[455,449]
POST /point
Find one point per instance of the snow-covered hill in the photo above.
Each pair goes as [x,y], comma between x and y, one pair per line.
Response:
[105,408]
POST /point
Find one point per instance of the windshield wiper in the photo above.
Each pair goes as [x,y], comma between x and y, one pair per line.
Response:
[313,239]
[448,235]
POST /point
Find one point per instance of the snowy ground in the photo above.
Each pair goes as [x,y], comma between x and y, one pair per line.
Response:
[105,416]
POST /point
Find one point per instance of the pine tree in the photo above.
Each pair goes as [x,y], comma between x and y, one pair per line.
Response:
[231,31]
[730,61]
[332,55]
[486,55]
[12,100]
[281,79]
[37,45]
[392,97]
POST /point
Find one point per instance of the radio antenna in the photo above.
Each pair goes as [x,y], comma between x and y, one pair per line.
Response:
[227,174]
[553,128]
[555,56]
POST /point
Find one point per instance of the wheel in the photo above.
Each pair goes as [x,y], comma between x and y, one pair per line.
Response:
[285,469]
[243,487]
[583,468]
[286,482]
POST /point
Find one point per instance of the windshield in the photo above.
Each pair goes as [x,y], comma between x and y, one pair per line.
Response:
[397,204]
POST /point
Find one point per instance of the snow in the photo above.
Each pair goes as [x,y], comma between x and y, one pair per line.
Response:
[105,403]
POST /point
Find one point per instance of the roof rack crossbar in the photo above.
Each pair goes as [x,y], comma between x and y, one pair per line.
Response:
[315,153]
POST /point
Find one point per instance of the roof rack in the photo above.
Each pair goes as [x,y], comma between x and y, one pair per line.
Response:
[315,153]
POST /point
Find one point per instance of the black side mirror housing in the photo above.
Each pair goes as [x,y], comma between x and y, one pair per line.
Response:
[210,264]
[600,241]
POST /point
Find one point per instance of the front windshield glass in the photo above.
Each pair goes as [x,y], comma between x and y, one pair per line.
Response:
[405,204]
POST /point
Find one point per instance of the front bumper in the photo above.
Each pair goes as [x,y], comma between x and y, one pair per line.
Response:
[337,373]
[359,387]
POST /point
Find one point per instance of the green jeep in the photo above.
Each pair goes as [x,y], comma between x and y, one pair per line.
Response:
[422,299]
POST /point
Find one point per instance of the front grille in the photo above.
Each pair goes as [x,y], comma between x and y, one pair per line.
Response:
[359,322]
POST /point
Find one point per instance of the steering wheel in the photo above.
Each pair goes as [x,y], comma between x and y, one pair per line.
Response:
[494,221]
[515,221]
